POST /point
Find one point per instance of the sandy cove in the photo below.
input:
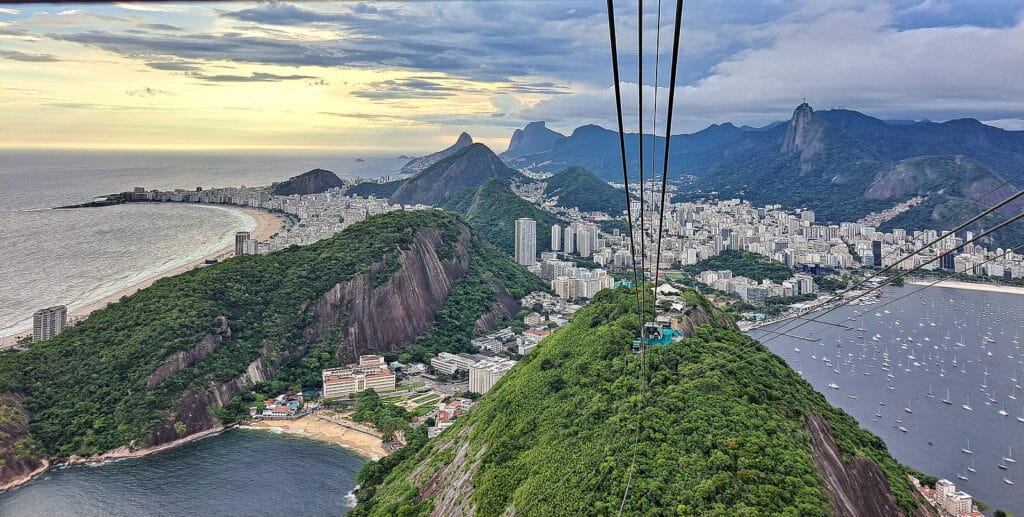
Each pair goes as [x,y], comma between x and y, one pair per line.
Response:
[953,284]
[267,225]
[318,429]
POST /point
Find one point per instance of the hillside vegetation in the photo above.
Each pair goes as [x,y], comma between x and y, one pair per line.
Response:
[161,360]
[721,425]
[492,210]
[743,263]
[577,187]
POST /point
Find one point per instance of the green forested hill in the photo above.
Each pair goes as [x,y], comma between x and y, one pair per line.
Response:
[91,389]
[577,187]
[743,263]
[492,211]
[723,429]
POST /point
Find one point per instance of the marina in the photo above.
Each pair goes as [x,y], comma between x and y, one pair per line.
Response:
[936,374]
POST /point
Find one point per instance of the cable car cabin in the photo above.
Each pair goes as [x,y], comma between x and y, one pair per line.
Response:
[654,334]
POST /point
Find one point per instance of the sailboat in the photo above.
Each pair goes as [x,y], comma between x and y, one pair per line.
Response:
[946,400]
[1002,412]
[971,468]
[961,477]
[967,406]
[907,409]
[1009,459]
[967,450]
[1007,481]
[929,394]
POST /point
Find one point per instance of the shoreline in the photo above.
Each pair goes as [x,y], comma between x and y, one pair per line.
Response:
[970,286]
[267,224]
[118,454]
[313,428]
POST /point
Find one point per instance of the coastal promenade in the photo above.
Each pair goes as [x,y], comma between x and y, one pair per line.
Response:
[267,225]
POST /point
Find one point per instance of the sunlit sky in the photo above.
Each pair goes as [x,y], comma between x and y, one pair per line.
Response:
[410,76]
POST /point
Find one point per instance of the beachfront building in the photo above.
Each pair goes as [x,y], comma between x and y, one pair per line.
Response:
[240,238]
[370,373]
[48,322]
[485,373]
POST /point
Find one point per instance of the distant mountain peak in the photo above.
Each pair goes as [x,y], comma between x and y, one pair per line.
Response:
[418,164]
[799,136]
[533,138]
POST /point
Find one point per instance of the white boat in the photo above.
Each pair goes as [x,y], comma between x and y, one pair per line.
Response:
[961,477]
[971,468]
[946,400]
[902,429]
[1007,481]
[1009,459]
[967,450]
[833,385]
[1002,412]
[967,406]
[907,409]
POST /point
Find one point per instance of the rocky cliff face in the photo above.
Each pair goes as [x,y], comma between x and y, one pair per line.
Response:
[419,164]
[952,175]
[803,135]
[381,316]
[855,488]
[15,465]
[535,137]
[312,182]
[180,360]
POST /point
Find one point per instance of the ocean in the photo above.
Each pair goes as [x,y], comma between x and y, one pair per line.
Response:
[924,334]
[71,257]
[239,472]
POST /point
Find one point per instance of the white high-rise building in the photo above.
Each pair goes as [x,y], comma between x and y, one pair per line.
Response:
[583,242]
[526,241]
[570,239]
[556,237]
[48,322]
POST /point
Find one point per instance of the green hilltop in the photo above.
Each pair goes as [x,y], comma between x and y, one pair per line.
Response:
[492,209]
[722,426]
[577,187]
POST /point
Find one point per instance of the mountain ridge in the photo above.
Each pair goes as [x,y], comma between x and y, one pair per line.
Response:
[416,165]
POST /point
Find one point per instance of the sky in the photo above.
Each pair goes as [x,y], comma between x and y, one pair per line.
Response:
[410,76]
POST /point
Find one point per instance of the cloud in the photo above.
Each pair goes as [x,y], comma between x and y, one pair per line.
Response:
[162,27]
[7,10]
[280,13]
[14,55]
[255,77]
[409,88]
[147,92]
[151,7]
[71,12]
[174,66]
